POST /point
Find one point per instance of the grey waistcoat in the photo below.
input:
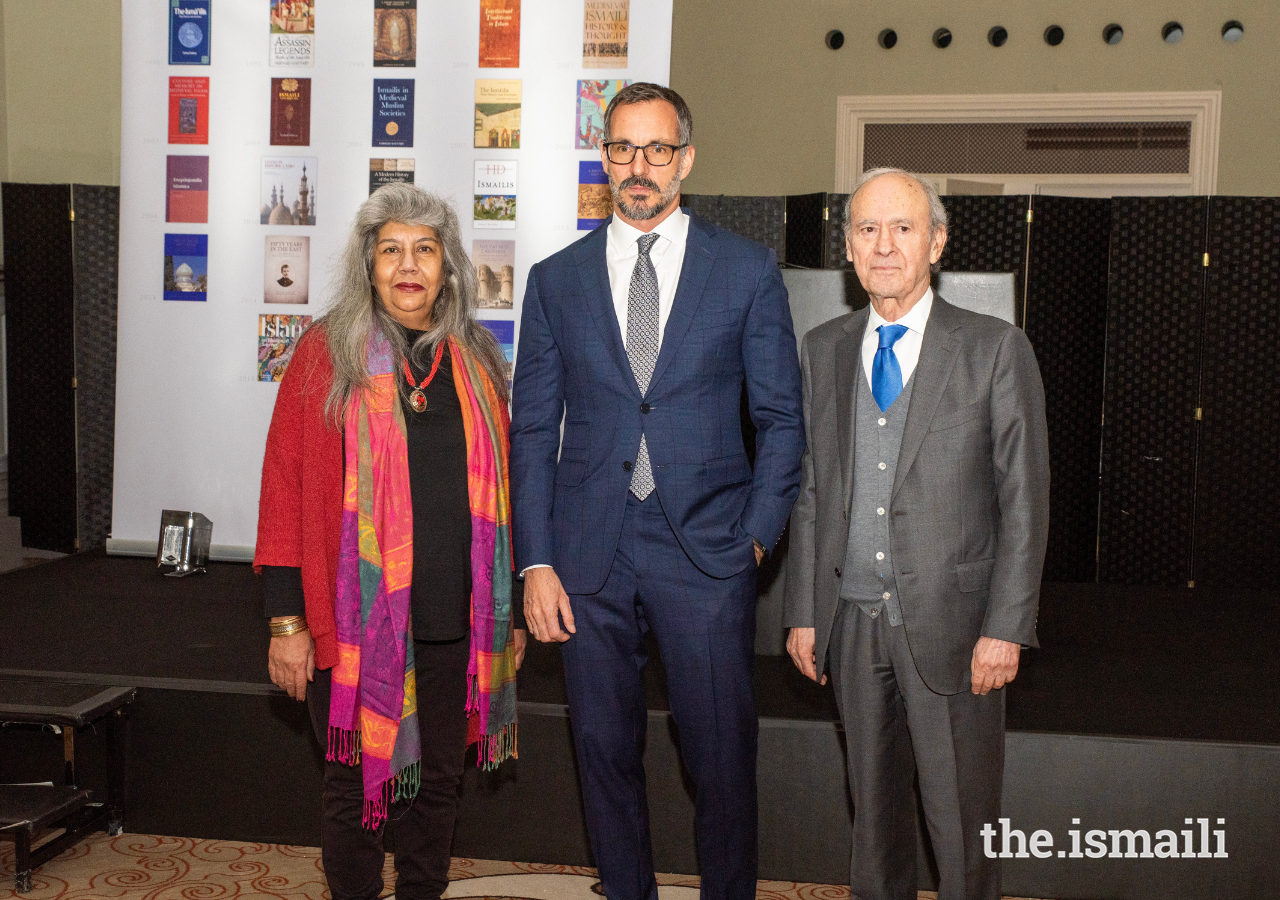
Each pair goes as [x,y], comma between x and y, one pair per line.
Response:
[866,580]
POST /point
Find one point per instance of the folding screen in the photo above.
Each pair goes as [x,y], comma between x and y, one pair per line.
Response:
[833,249]
[761,219]
[1237,498]
[96,239]
[1066,321]
[1154,318]
[805,230]
[40,350]
[988,234]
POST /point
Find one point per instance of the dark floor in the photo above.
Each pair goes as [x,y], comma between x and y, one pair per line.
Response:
[1114,659]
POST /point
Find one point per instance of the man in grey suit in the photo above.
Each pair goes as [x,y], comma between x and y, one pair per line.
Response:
[917,543]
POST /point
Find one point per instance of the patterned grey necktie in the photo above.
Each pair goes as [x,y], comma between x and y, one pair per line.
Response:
[642,347]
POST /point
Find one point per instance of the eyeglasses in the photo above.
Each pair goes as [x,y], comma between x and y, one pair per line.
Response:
[621,153]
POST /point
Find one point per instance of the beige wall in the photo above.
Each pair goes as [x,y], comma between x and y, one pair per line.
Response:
[61,92]
[763,86]
[4,108]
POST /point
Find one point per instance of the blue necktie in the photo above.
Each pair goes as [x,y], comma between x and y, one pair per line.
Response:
[886,374]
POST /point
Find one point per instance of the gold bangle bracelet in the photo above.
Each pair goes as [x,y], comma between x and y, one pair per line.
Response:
[285,629]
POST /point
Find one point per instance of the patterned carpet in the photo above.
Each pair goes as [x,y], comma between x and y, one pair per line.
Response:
[147,867]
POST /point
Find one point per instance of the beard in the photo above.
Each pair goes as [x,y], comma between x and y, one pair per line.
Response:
[654,208]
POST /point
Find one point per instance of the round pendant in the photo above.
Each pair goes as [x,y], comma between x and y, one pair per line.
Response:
[418,400]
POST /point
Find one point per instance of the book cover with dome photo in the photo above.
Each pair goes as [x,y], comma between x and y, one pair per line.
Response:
[186,266]
[288,190]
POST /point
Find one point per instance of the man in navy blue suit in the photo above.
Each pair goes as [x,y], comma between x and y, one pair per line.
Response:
[647,516]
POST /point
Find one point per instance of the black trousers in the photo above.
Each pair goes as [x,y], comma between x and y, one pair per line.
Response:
[423,827]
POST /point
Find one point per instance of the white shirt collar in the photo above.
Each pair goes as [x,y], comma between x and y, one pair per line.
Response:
[915,319]
[674,227]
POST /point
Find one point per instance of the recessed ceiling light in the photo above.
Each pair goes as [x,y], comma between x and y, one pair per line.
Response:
[1053,35]
[1232,31]
[888,39]
[1113,34]
[1171,32]
[942,38]
[997,36]
[835,39]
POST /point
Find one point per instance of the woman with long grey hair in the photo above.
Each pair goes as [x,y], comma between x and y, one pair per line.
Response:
[384,543]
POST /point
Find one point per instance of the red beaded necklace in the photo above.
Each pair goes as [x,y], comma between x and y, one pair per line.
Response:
[417,399]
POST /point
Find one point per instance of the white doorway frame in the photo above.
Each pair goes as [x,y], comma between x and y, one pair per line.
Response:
[1202,108]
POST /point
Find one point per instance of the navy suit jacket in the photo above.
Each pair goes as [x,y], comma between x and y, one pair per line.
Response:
[730,323]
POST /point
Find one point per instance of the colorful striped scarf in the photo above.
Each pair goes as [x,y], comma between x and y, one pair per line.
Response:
[373,711]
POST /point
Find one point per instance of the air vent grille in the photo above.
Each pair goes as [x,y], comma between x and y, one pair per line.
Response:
[1030,148]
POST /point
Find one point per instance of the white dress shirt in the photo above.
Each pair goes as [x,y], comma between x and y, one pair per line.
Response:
[622,251]
[907,349]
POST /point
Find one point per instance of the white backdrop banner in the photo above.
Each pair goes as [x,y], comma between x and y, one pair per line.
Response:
[251,132]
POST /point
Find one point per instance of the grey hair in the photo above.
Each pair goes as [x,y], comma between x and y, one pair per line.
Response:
[358,313]
[644,92]
[937,212]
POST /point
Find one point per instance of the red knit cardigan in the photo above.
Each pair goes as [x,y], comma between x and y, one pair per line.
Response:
[300,507]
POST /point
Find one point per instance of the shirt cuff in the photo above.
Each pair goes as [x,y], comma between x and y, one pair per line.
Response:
[534,566]
[282,591]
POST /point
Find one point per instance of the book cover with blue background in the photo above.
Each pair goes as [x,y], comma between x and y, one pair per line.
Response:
[189,32]
[505,331]
[595,202]
[186,266]
[393,112]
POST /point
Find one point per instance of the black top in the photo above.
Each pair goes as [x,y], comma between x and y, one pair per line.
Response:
[440,596]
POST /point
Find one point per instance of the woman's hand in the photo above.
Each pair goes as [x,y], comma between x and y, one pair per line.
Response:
[291,661]
[521,638]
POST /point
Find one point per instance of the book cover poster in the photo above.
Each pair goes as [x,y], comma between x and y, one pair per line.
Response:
[395,32]
[291,112]
[393,112]
[390,171]
[293,33]
[189,32]
[595,202]
[604,34]
[276,337]
[186,189]
[186,266]
[498,112]
[188,110]
[495,195]
[499,34]
[287,269]
[288,190]
[505,331]
[495,263]
[593,100]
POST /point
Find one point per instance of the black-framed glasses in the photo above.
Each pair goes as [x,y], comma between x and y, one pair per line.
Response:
[621,153]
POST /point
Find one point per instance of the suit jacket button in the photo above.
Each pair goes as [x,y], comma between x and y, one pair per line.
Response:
[838,572]
[626,466]
[645,407]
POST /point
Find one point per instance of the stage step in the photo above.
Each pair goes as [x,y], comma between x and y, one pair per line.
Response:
[10,543]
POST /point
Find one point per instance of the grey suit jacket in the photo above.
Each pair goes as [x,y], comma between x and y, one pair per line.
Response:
[969,515]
